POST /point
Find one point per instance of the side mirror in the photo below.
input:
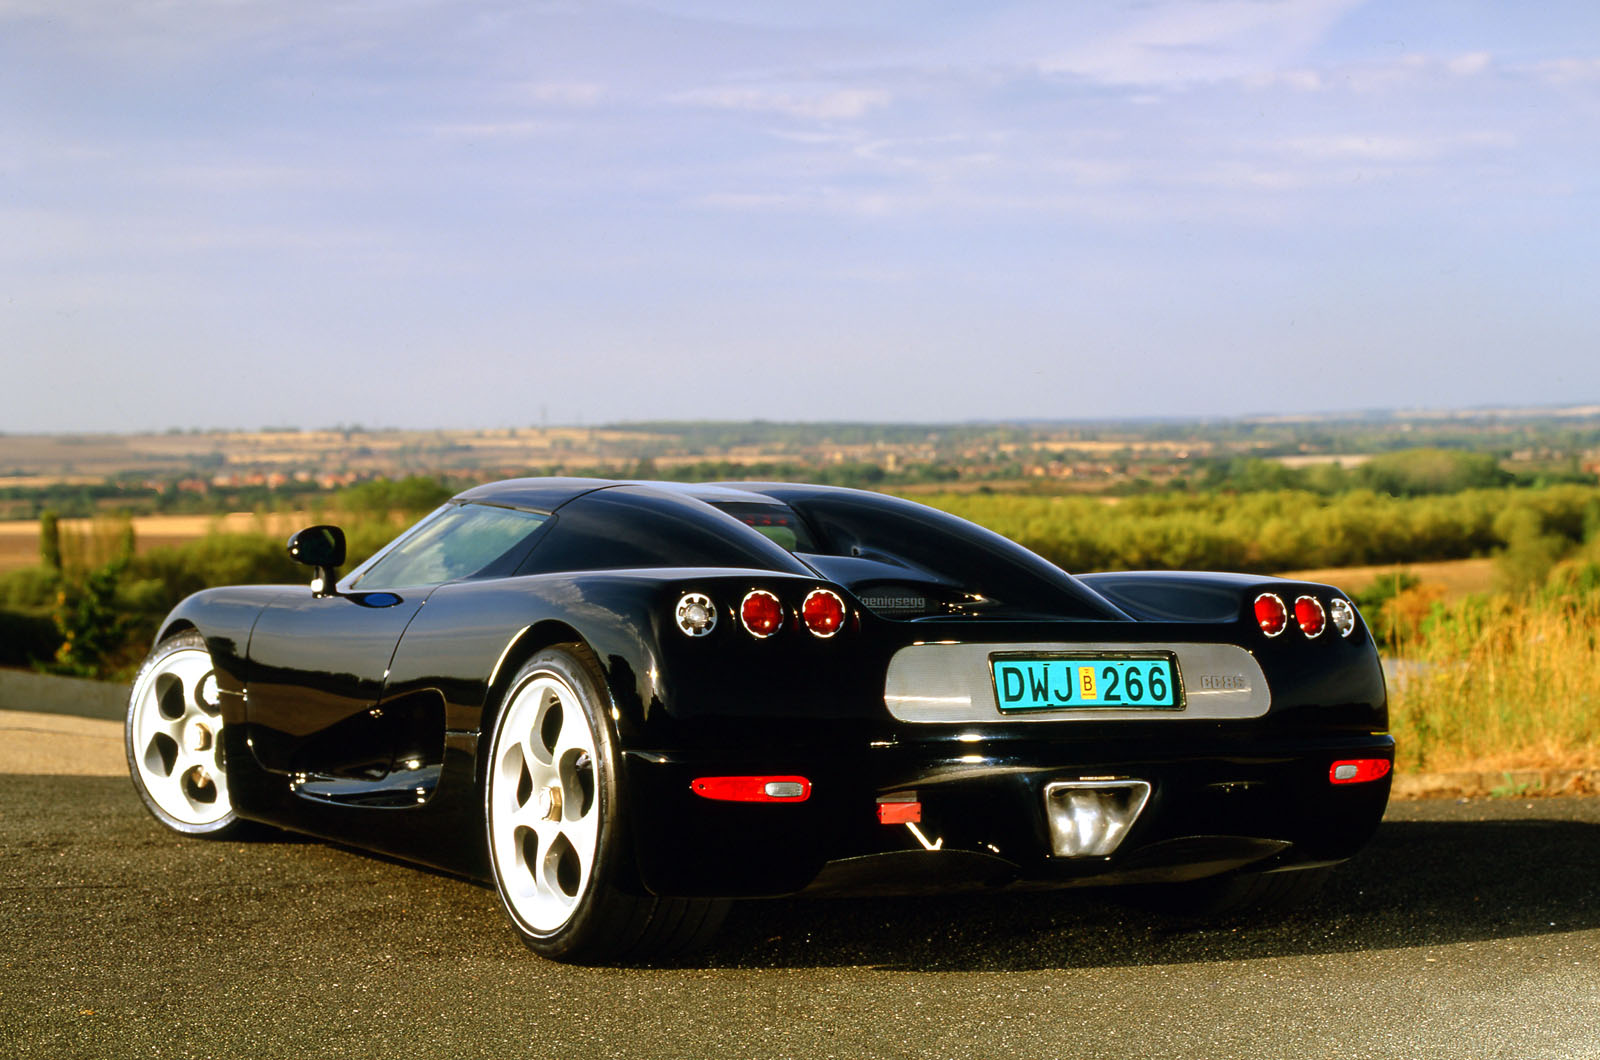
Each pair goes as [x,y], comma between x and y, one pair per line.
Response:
[321,547]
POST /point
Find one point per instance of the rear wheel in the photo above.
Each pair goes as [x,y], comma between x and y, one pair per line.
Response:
[174,740]
[554,808]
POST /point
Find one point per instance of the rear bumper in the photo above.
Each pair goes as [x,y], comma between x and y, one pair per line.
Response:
[983,820]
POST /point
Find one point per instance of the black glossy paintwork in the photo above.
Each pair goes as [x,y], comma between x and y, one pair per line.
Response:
[316,662]
[358,717]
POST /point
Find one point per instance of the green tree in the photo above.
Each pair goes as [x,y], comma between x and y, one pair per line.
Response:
[50,540]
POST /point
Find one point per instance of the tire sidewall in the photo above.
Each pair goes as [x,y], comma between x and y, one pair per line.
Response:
[569,666]
[188,640]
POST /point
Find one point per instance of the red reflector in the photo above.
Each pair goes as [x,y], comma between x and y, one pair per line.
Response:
[1271,615]
[1358,770]
[761,613]
[752,789]
[899,813]
[823,612]
[1309,616]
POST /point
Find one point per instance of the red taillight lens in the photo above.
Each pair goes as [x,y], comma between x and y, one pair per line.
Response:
[752,789]
[823,612]
[1271,615]
[1358,770]
[761,613]
[1309,616]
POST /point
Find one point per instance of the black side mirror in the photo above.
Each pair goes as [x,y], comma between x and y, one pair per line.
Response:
[321,547]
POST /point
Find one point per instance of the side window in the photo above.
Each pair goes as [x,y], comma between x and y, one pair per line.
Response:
[458,544]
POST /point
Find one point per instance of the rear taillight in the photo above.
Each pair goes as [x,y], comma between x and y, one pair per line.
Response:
[761,613]
[823,612]
[1309,616]
[1343,615]
[695,614]
[752,789]
[1358,770]
[1271,615]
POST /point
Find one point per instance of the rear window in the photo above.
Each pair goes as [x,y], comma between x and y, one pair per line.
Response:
[776,522]
[634,526]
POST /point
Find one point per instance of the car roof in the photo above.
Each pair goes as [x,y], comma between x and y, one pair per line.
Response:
[549,494]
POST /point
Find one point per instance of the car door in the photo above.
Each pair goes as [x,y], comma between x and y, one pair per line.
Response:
[318,663]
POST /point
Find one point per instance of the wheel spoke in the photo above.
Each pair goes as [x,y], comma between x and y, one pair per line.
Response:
[169,722]
[582,833]
[544,819]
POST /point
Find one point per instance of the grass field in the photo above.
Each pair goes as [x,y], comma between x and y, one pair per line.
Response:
[1493,684]
[1457,577]
[19,540]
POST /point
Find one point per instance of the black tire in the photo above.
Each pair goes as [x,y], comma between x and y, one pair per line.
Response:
[173,738]
[555,815]
[1236,896]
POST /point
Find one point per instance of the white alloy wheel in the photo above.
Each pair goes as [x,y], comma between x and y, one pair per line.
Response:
[174,739]
[544,802]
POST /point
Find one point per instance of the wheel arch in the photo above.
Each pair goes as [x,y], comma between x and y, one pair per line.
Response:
[524,645]
[174,626]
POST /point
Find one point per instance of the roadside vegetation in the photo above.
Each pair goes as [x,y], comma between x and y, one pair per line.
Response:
[91,605]
[1505,678]
[1501,681]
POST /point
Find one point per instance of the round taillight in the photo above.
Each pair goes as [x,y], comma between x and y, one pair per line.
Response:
[761,613]
[695,614]
[1343,615]
[1271,615]
[1309,616]
[823,612]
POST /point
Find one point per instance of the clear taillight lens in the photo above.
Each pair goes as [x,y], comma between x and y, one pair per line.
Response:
[695,614]
[1343,615]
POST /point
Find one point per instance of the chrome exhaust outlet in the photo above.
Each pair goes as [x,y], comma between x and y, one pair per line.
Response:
[1090,818]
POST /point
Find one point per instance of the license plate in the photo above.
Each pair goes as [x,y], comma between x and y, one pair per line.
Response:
[1143,681]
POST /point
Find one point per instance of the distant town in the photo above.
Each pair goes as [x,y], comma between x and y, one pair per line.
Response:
[198,470]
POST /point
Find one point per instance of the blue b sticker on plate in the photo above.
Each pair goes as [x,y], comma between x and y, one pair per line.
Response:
[1080,682]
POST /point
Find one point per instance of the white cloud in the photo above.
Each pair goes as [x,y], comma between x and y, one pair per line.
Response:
[496,130]
[1567,71]
[1470,64]
[1174,43]
[1389,148]
[836,105]
[565,94]
[1294,80]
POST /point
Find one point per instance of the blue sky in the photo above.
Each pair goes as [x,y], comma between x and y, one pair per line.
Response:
[480,214]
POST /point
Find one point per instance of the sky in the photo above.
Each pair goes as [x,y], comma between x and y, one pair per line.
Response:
[500,213]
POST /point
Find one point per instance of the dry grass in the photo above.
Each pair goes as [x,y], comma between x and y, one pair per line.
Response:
[1454,578]
[1498,684]
[19,540]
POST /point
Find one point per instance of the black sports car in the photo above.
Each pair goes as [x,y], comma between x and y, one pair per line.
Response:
[624,703]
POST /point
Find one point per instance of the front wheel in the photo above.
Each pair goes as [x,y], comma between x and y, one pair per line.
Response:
[173,738]
[554,809]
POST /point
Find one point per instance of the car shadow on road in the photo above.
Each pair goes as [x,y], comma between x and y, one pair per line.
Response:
[1417,884]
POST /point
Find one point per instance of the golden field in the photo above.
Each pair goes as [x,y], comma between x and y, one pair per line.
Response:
[19,539]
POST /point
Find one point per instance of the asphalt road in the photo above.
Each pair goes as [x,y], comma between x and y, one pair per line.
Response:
[1466,930]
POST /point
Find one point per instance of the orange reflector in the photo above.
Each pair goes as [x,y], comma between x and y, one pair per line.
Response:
[752,789]
[899,813]
[1358,770]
